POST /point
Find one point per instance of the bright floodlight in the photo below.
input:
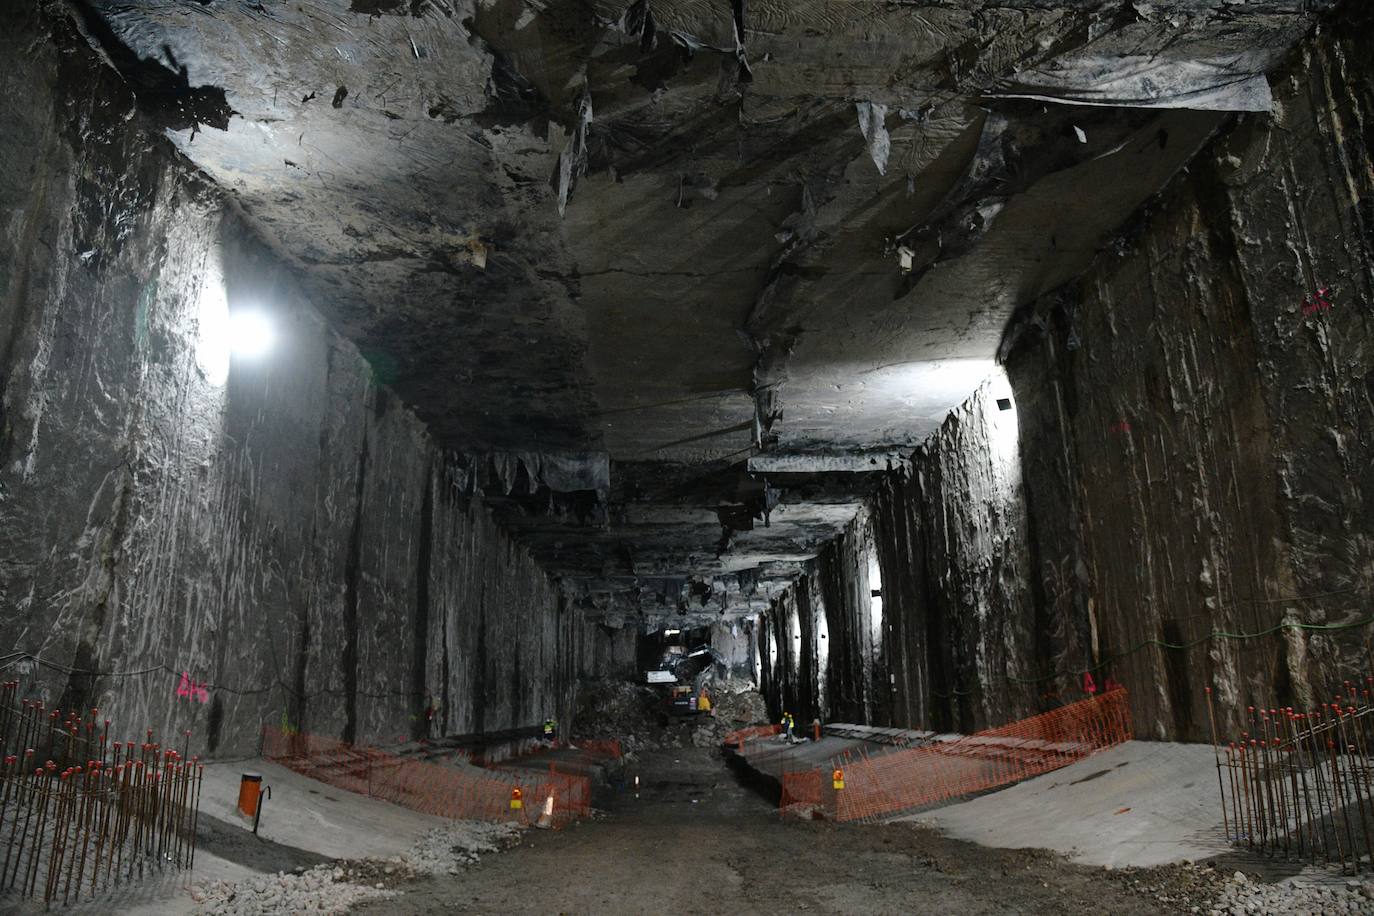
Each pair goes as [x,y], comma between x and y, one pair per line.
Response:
[250,333]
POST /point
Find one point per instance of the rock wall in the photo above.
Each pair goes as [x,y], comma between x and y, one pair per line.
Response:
[950,535]
[1194,421]
[281,531]
[608,651]
[1197,419]
[819,645]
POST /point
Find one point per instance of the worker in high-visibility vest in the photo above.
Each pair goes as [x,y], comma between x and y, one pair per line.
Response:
[550,729]
[704,703]
[787,725]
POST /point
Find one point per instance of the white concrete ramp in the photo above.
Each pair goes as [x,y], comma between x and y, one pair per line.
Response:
[1141,803]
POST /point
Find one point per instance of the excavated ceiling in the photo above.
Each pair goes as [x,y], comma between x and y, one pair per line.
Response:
[726,258]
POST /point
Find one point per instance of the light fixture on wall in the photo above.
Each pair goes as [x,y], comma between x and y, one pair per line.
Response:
[250,332]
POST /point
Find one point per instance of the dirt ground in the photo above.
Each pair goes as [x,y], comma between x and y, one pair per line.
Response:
[696,840]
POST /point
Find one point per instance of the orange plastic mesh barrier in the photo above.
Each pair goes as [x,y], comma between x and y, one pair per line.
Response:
[905,779]
[461,791]
[599,747]
[737,737]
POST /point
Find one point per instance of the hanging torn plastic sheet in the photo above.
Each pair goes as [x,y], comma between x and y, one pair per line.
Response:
[1229,84]
[1158,55]
[561,472]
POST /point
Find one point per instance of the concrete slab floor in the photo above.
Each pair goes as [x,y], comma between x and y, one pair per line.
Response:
[771,757]
[1142,803]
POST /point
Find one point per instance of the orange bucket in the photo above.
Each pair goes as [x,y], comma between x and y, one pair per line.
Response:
[250,788]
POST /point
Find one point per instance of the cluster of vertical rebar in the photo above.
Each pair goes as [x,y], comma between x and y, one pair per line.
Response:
[79,814]
[1298,784]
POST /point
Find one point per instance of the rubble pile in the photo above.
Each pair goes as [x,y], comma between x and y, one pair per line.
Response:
[638,717]
[619,709]
[444,850]
[738,703]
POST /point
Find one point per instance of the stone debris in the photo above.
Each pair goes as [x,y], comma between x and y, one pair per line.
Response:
[1307,893]
[1204,889]
[445,850]
[334,888]
[635,714]
[318,890]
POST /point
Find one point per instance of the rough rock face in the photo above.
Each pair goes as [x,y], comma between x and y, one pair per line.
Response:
[1194,424]
[950,538]
[820,644]
[283,532]
[1200,417]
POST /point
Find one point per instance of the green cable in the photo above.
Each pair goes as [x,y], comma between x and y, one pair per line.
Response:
[1215,634]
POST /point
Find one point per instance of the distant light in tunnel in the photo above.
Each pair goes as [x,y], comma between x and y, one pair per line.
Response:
[671,632]
[875,597]
[250,333]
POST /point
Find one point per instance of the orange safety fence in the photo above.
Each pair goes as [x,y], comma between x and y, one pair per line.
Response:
[737,737]
[459,791]
[906,779]
[599,747]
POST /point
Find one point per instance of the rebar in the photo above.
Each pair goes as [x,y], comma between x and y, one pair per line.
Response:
[1300,785]
[95,813]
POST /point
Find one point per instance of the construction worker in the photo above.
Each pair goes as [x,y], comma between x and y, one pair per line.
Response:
[787,725]
[550,729]
[704,703]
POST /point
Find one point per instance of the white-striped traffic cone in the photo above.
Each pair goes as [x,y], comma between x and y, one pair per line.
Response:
[546,818]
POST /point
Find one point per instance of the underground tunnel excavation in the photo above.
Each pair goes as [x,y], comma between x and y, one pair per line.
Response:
[629,456]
